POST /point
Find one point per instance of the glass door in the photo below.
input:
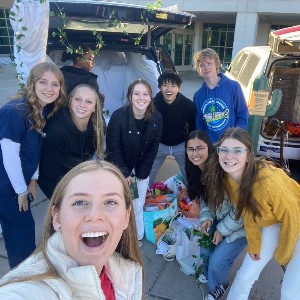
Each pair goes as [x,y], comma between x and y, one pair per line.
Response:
[179,44]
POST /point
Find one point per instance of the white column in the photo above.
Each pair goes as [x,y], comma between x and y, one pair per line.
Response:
[245,31]
[263,32]
[198,37]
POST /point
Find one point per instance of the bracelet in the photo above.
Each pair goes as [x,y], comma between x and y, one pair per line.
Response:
[23,194]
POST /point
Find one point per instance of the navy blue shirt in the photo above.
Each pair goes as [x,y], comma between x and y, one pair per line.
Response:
[15,126]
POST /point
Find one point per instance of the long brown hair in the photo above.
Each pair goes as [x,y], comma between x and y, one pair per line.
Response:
[96,119]
[150,109]
[215,178]
[35,118]
[127,246]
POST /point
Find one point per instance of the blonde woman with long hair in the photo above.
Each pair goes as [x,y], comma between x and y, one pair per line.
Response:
[22,124]
[73,135]
[88,249]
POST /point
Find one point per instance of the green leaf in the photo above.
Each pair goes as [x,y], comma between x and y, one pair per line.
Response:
[12,13]
[24,28]
[19,36]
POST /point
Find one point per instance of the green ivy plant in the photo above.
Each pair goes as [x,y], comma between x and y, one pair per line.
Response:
[204,241]
[63,38]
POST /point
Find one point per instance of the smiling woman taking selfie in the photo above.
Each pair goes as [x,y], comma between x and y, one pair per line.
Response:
[88,249]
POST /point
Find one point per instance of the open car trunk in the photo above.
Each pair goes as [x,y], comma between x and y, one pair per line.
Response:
[121,59]
[284,74]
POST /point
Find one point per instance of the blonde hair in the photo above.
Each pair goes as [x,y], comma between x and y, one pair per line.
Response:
[127,246]
[206,53]
[35,118]
[96,119]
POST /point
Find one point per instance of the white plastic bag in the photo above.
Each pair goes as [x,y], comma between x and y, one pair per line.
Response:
[188,253]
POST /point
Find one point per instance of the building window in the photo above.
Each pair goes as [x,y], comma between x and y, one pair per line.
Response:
[6,33]
[277,27]
[220,38]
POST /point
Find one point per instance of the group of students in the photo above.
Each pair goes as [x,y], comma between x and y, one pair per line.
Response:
[92,226]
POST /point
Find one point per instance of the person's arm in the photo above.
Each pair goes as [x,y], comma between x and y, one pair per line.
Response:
[200,123]
[13,168]
[206,217]
[280,195]
[192,117]
[285,206]
[52,157]
[114,144]
[229,224]
[12,165]
[240,107]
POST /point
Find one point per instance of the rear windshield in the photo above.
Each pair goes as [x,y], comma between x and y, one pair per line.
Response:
[243,66]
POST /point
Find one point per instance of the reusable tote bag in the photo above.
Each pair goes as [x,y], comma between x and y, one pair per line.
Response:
[158,212]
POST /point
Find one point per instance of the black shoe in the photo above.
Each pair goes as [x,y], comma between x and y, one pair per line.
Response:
[218,293]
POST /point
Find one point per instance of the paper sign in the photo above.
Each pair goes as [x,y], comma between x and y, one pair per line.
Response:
[162,16]
[259,105]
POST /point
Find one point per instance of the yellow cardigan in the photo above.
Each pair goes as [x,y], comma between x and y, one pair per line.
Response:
[279,197]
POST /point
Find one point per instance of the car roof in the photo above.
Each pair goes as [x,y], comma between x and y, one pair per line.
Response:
[118,23]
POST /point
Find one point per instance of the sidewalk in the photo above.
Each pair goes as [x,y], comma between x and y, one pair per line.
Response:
[163,280]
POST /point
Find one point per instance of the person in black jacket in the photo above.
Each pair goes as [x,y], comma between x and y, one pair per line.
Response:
[132,139]
[80,72]
[179,118]
[73,135]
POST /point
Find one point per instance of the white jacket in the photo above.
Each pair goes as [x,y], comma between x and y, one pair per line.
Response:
[75,282]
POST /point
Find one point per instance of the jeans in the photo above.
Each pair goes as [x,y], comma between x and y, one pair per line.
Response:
[178,151]
[250,269]
[138,205]
[218,262]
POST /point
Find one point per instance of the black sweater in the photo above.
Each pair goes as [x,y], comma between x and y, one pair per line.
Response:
[64,147]
[75,76]
[178,118]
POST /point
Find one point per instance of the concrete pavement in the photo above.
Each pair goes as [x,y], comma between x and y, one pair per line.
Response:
[163,280]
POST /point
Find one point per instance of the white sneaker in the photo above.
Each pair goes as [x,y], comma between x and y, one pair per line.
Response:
[202,278]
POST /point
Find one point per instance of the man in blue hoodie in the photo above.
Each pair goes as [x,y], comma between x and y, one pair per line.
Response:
[220,102]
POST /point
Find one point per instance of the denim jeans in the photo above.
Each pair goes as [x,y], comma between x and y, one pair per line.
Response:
[178,151]
[250,269]
[218,262]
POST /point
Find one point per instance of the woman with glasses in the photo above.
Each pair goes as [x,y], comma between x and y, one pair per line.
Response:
[269,202]
[218,220]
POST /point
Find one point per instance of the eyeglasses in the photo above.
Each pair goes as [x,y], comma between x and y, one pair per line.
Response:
[198,150]
[236,151]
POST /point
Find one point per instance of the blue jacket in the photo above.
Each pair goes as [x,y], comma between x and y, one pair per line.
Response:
[220,108]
